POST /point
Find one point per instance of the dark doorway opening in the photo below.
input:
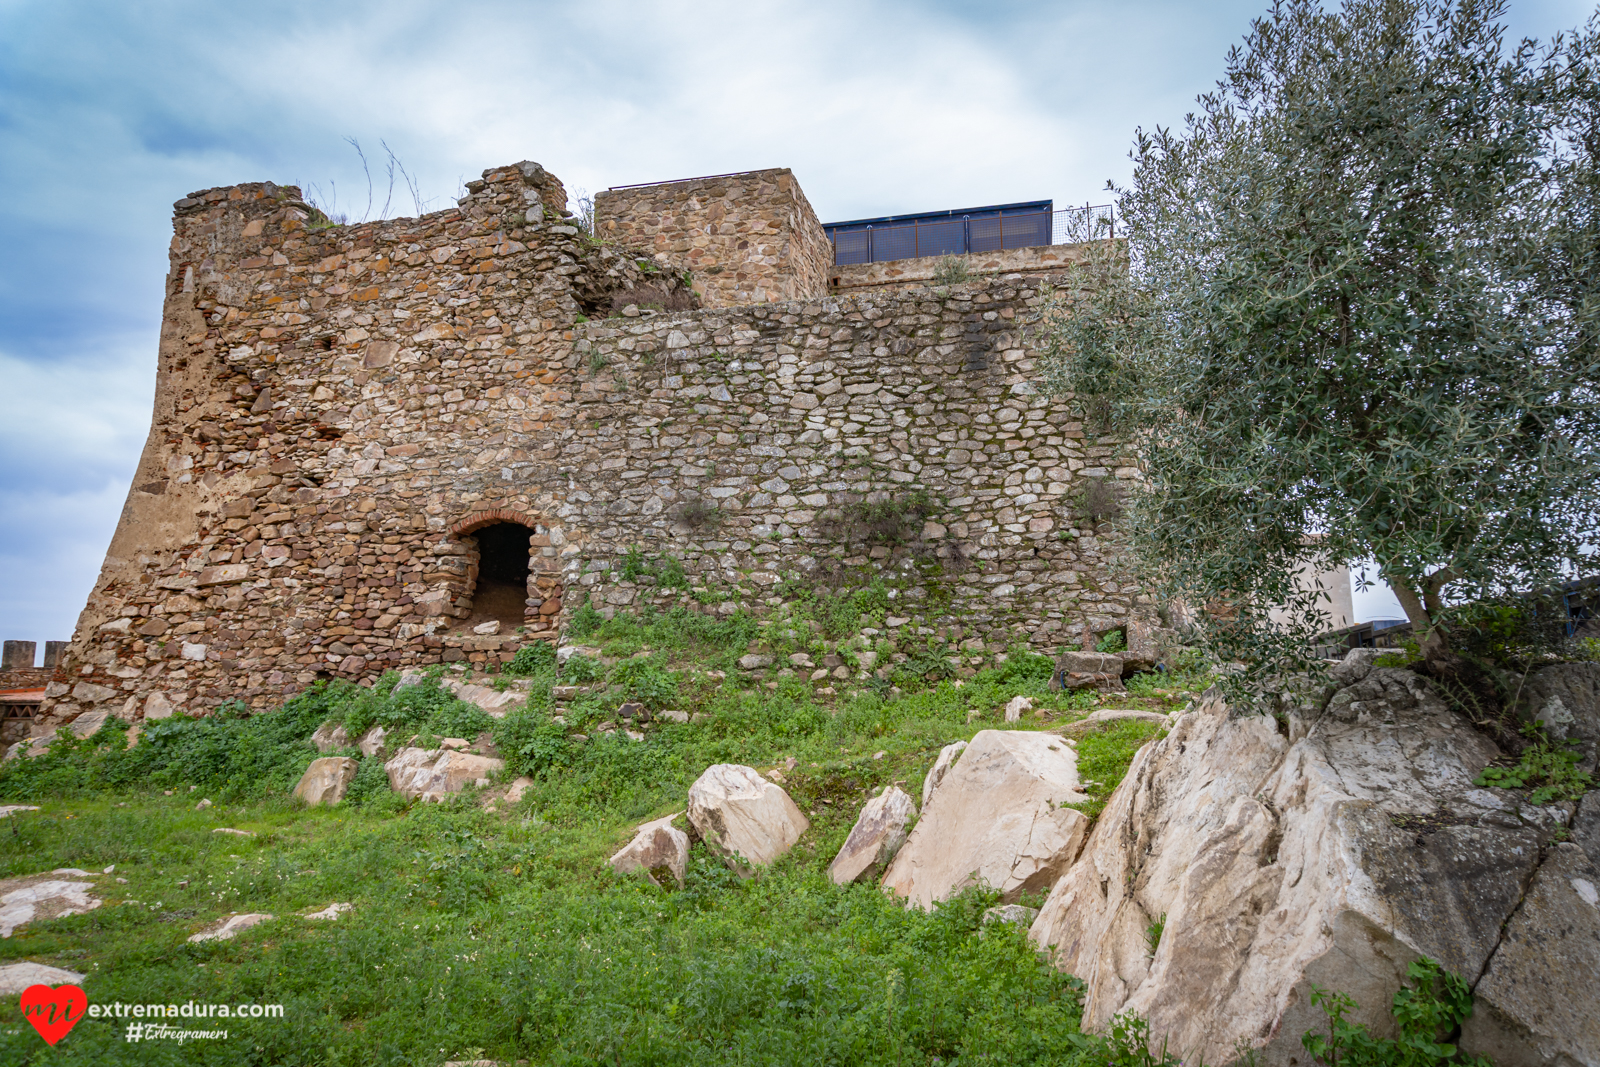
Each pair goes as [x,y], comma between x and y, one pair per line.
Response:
[501,592]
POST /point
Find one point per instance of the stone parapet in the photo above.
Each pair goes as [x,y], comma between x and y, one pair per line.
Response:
[913,273]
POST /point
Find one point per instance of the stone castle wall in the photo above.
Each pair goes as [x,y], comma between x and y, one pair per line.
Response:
[781,417]
[340,408]
[747,238]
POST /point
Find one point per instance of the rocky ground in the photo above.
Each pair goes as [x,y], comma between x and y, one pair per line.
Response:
[657,856]
[664,853]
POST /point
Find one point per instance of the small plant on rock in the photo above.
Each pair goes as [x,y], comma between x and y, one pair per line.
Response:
[1112,643]
[1429,1011]
[1152,934]
[531,659]
[1549,767]
[700,515]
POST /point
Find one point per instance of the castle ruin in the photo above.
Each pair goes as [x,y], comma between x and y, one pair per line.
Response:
[372,442]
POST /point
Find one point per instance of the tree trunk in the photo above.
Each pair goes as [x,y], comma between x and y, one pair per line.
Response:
[1430,638]
[1465,685]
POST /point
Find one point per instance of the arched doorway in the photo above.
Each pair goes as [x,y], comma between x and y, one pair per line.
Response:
[501,590]
[513,575]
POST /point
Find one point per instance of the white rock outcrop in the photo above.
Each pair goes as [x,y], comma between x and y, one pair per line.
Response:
[566,652]
[433,773]
[742,817]
[29,747]
[495,701]
[997,818]
[225,929]
[878,834]
[657,847]
[1016,706]
[15,978]
[36,897]
[371,743]
[327,780]
[1328,845]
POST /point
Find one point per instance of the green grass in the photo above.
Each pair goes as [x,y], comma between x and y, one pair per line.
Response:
[503,934]
[1103,758]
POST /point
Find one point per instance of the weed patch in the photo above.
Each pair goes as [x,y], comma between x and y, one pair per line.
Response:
[1549,769]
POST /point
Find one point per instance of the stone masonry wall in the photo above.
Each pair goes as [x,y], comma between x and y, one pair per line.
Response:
[339,408]
[782,416]
[747,238]
[909,273]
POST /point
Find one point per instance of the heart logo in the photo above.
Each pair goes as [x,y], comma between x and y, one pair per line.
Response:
[53,1012]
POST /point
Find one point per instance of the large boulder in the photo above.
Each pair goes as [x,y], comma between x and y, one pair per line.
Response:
[432,773]
[878,834]
[372,742]
[15,978]
[997,818]
[658,848]
[1087,670]
[1328,844]
[327,780]
[1586,825]
[29,747]
[742,817]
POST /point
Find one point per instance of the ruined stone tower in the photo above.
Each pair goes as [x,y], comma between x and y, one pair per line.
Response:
[371,442]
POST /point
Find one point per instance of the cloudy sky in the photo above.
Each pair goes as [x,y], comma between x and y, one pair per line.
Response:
[111,111]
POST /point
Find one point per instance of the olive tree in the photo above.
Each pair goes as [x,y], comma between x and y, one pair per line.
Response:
[1354,316]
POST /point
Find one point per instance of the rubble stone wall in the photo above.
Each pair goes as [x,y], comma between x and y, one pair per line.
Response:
[339,408]
[26,677]
[746,238]
[785,418]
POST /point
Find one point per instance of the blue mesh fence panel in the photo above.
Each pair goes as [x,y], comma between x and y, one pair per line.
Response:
[942,238]
[985,235]
[894,242]
[1025,231]
[850,246]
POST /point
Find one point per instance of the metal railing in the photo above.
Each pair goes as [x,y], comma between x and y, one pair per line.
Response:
[1091,222]
[973,236]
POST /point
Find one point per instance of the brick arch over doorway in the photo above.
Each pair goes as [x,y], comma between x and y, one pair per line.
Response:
[542,603]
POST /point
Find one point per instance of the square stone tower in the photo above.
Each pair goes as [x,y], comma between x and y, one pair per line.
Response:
[748,238]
